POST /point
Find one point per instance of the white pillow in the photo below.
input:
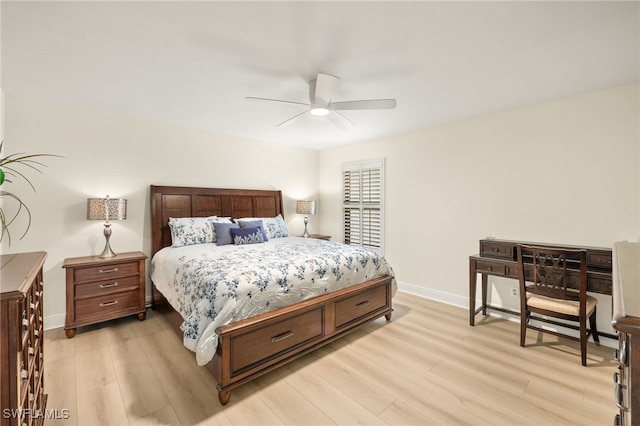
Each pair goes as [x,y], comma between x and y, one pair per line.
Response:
[186,231]
[275,227]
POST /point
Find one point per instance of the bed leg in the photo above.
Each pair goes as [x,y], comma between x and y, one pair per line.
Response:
[388,316]
[224,396]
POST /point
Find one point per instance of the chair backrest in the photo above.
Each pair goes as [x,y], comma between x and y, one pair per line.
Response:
[544,271]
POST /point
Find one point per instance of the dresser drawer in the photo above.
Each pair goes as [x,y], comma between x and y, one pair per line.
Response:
[502,250]
[106,272]
[355,307]
[90,289]
[259,345]
[108,305]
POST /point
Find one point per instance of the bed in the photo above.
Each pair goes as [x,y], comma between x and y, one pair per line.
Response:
[244,346]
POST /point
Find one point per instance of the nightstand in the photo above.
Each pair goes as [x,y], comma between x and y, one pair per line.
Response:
[101,289]
[320,236]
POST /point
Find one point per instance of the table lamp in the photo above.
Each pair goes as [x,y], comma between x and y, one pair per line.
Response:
[107,209]
[306,208]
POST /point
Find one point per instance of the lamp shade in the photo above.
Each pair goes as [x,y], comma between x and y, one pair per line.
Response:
[306,207]
[106,208]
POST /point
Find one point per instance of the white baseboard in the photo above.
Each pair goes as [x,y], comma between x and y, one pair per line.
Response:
[463,302]
[54,321]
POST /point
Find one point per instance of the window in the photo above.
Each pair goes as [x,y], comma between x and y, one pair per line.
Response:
[362,203]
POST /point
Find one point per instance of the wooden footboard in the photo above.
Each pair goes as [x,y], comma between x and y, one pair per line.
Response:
[252,347]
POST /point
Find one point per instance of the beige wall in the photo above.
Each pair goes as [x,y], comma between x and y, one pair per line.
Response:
[565,171]
[445,187]
[120,156]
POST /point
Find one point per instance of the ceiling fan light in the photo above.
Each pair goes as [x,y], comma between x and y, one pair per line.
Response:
[320,111]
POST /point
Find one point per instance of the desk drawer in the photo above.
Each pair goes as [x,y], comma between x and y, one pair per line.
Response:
[599,260]
[498,249]
[596,282]
[513,271]
[490,267]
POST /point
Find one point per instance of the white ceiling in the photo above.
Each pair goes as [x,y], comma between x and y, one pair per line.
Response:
[192,63]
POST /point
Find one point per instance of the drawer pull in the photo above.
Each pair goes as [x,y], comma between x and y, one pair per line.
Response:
[104,305]
[619,398]
[616,380]
[106,271]
[624,352]
[363,304]
[282,336]
[108,285]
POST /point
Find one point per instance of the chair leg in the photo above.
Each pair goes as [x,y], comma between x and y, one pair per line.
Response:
[594,327]
[583,340]
[524,318]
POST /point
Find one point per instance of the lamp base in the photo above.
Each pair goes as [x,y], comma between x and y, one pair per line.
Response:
[306,232]
[107,252]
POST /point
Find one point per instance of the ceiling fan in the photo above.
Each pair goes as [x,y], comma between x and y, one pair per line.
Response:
[321,92]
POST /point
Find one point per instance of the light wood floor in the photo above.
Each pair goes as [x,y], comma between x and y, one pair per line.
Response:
[425,367]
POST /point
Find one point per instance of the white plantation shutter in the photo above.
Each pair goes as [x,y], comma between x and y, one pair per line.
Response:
[362,203]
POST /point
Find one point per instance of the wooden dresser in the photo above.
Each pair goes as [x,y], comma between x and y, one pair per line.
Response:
[626,321]
[100,289]
[21,339]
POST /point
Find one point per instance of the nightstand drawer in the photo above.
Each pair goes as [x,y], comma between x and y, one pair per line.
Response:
[105,306]
[106,272]
[99,288]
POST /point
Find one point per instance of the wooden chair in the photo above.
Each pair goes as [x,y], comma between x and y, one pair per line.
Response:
[545,275]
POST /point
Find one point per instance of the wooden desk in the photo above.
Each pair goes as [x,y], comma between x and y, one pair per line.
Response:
[499,258]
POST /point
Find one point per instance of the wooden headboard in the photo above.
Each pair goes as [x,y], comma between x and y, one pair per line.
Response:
[177,201]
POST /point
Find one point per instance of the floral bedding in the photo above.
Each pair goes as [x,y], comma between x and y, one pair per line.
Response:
[213,285]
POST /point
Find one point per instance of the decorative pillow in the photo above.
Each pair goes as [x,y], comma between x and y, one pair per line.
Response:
[223,236]
[217,219]
[248,235]
[186,231]
[274,226]
[254,224]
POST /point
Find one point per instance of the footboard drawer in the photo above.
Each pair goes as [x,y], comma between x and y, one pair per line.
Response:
[261,344]
[360,305]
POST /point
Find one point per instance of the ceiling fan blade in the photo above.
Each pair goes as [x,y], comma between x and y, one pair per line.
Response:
[364,104]
[289,119]
[322,89]
[251,98]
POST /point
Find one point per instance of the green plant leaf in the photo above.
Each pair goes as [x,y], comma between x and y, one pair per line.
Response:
[8,169]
